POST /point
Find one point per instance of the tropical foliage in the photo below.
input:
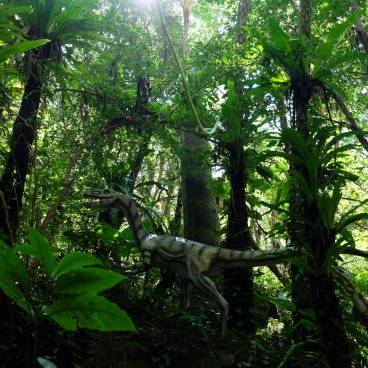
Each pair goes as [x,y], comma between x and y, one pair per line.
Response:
[241,122]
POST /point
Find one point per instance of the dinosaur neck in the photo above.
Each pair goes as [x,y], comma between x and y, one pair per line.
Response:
[134,219]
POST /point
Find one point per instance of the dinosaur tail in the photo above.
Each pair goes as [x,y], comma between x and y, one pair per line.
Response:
[248,258]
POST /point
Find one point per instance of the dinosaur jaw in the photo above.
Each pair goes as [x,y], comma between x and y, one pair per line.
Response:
[102,199]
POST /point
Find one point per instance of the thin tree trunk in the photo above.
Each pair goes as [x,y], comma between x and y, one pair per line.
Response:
[333,339]
[352,123]
[13,179]
[243,14]
[362,34]
[138,161]
[239,283]
[187,7]
[305,18]
[67,184]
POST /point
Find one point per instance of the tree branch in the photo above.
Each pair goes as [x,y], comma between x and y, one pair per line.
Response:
[3,203]
[352,123]
[356,252]
[67,184]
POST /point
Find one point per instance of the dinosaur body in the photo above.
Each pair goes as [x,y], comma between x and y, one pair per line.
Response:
[193,262]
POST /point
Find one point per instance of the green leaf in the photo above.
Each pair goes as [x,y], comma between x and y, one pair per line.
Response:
[331,255]
[335,201]
[9,287]
[91,279]
[286,61]
[341,136]
[345,221]
[8,11]
[335,152]
[89,311]
[8,71]
[19,48]
[46,363]
[344,58]
[276,206]
[297,142]
[13,266]
[27,249]
[348,237]
[73,261]
[279,37]
[42,250]
[302,183]
[325,51]
[284,303]
[334,88]
[287,156]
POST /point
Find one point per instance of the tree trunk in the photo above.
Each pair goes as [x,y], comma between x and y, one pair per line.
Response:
[301,292]
[308,231]
[13,179]
[243,14]
[362,34]
[352,123]
[238,284]
[199,206]
[333,338]
[305,17]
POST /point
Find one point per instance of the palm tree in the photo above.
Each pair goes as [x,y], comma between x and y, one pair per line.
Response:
[62,22]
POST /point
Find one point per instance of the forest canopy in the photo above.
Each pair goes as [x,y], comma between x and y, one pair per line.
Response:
[229,124]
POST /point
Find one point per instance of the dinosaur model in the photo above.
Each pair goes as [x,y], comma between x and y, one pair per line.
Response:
[193,262]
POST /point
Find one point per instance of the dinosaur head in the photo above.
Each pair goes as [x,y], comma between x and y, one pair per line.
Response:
[105,198]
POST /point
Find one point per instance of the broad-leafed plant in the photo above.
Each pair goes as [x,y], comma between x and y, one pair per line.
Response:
[70,295]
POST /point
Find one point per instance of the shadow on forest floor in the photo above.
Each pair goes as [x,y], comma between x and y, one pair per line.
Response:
[166,338]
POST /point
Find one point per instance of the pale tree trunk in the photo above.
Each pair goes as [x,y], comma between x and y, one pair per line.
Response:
[199,206]
[243,14]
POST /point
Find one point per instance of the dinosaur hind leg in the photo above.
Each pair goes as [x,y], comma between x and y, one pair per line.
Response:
[186,287]
[208,287]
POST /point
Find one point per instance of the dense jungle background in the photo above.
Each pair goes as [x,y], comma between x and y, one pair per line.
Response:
[234,123]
